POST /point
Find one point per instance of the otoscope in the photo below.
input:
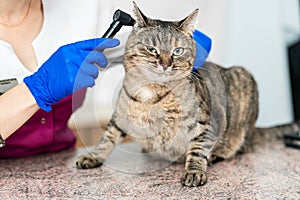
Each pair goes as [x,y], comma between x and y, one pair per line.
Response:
[120,18]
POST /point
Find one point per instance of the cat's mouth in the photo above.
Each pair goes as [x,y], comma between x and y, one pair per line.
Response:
[159,74]
[161,70]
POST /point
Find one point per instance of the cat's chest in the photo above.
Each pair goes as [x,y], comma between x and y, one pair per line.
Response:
[145,95]
[150,113]
[153,111]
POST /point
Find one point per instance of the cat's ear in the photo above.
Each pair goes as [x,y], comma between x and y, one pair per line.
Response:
[140,18]
[188,24]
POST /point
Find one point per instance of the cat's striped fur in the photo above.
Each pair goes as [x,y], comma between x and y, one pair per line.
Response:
[181,115]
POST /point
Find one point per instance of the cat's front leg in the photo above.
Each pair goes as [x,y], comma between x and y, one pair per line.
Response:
[111,137]
[199,150]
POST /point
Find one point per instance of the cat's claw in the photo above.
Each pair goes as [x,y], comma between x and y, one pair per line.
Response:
[193,178]
[88,161]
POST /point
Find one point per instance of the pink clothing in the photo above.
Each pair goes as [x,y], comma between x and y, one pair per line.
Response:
[45,132]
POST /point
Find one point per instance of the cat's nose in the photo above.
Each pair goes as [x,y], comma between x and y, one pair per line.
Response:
[165,67]
[165,62]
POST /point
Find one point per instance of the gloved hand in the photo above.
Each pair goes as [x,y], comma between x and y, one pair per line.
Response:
[203,47]
[69,69]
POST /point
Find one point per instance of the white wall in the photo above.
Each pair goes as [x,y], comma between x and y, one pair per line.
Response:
[251,33]
[291,20]
[255,38]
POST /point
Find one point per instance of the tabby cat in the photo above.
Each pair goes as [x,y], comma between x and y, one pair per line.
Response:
[177,113]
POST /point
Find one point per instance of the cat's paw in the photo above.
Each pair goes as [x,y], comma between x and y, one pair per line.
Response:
[88,161]
[193,178]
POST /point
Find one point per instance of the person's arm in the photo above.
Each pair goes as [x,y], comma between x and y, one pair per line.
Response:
[16,106]
[71,68]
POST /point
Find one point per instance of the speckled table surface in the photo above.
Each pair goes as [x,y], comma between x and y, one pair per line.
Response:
[271,172]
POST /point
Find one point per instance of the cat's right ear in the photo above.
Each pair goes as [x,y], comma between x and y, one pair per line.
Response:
[140,18]
[187,25]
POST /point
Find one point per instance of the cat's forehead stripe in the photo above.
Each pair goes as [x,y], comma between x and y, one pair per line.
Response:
[154,41]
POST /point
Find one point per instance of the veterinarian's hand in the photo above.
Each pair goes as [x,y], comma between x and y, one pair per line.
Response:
[71,68]
[203,47]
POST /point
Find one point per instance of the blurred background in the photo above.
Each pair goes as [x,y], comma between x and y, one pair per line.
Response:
[260,35]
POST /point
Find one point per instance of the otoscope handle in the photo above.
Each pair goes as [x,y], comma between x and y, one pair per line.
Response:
[114,27]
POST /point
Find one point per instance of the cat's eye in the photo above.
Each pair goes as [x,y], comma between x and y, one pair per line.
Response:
[151,49]
[178,51]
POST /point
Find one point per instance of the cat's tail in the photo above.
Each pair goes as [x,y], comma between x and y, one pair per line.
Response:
[275,132]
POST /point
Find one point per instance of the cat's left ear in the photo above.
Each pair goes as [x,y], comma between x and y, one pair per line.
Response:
[188,24]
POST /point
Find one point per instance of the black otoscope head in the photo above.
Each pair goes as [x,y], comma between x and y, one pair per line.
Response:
[123,17]
[120,19]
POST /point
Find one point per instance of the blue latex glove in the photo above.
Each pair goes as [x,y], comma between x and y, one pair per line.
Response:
[69,69]
[203,47]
